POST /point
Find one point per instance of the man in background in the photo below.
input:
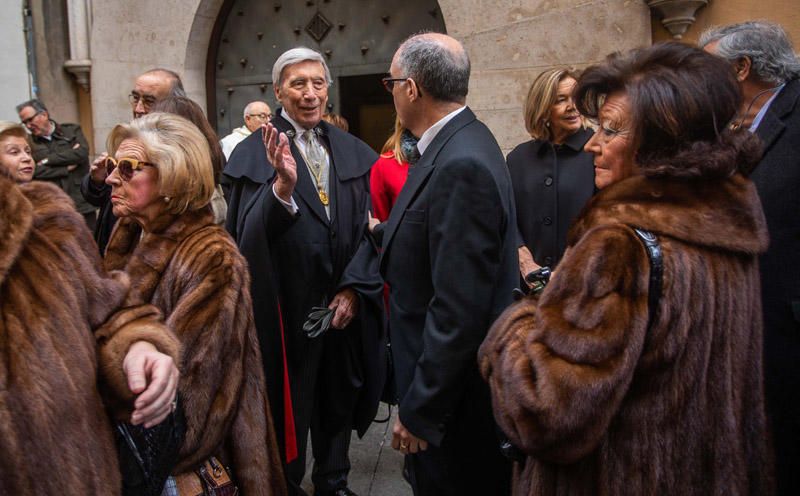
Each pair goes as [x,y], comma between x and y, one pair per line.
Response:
[255,114]
[61,153]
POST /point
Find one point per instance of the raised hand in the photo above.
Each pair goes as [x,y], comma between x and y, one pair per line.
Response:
[280,156]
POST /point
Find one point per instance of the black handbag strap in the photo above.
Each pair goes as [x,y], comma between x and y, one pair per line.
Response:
[654,254]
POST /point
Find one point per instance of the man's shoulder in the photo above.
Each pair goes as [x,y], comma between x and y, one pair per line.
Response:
[69,128]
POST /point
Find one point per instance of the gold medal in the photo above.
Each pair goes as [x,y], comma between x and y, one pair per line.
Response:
[323,197]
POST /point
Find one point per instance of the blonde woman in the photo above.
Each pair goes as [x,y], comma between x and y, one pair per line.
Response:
[161,177]
[551,174]
[391,170]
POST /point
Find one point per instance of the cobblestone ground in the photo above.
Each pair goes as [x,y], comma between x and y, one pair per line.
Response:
[376,467]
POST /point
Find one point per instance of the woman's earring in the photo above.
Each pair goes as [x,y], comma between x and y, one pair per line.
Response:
[547,123]
[167,199]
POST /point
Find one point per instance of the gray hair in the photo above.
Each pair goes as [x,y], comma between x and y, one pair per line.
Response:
[176,87]
[442,72]
[766,44]
[37,105]
[295,56]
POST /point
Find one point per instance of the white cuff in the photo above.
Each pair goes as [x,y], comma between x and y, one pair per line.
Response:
[291,207]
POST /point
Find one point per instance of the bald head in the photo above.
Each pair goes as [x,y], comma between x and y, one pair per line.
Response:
[437,63]
[255,114]
[152,86]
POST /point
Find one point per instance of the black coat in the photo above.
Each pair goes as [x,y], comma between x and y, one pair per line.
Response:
[450,259]
[67,146]
[551,184]
[777,179]
[100,197]
[302,261]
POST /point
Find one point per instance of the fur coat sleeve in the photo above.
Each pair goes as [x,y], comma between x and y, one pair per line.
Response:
[559,368]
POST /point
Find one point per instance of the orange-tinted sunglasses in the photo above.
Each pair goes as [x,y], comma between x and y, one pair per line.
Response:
[126,166]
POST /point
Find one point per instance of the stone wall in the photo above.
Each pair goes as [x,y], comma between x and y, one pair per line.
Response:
[511,41]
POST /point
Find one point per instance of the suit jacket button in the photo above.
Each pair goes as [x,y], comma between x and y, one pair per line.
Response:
[548,181]
[548,261]
[547,221]
[333,234]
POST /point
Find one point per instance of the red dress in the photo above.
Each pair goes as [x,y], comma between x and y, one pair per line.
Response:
[386,180]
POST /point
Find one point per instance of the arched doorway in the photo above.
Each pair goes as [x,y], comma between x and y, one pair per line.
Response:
[357,37]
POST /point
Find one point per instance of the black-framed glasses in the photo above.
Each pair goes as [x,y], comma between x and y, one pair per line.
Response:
[27,121]
[388,82]
[147,100]
[126,166]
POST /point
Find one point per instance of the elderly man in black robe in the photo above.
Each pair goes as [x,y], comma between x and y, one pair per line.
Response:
[298,210]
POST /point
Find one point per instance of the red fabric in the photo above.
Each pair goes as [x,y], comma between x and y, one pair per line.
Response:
[290,434]
[386,180]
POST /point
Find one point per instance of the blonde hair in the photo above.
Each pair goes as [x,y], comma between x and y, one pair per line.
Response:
[393,143]
[8,128]
[181,154]
[541,97]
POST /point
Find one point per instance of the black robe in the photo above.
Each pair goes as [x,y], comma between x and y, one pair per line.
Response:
[301,261]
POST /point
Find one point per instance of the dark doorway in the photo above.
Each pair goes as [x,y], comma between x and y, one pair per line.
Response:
[368,108]
[357,38]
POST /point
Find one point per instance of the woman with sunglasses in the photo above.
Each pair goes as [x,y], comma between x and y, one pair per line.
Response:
[161,177]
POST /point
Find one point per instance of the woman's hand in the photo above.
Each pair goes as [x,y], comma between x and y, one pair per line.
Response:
[97,170]
[526,263]
[280,156]
[155,376]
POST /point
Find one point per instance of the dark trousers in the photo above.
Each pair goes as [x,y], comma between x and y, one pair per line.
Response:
[330,450]
[468,462]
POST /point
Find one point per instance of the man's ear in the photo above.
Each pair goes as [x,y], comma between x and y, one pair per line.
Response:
[414,92]
[277,93]
[742,66]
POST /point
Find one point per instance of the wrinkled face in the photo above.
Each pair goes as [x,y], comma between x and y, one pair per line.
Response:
[564,117]
[612,144]
[257,114]
[303,92]
[138,197]
[38,123]
[16,159]
[147,90]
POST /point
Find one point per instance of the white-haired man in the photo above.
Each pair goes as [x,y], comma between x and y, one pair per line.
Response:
[298,210]
[256,114]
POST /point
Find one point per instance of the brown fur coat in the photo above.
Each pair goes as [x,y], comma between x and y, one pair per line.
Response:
[190,269]
[55,436]
[603,406]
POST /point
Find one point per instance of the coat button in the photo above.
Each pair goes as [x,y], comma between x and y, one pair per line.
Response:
[333,234]
[547,221]
[548,261]
[548,181]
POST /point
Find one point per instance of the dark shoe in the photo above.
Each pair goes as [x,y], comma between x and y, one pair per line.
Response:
[345,491]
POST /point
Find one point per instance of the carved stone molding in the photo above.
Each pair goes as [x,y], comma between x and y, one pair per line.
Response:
[676,15]
[79,20]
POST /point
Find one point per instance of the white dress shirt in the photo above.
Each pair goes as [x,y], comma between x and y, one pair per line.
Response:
[428,136]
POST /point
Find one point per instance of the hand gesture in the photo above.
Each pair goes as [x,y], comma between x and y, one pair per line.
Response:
[404,441]
[97,170]
[526,262]
[154,375]
[345,306]
[280,156]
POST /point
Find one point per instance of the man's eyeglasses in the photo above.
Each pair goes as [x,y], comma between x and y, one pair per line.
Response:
[263,116]
[147,100]
[27,121]
[388,82]
[126,166]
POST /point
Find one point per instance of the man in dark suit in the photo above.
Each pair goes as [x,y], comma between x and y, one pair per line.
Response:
[450,259]
[299,215]
[769,75]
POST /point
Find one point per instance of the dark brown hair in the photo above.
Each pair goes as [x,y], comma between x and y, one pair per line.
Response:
[682,101]
[188,109]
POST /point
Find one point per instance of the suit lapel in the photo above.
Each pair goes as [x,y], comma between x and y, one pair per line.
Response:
[772,125]
[418,175]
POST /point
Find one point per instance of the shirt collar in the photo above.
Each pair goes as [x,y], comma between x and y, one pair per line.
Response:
[298,129]
[761,113]
[428,136]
